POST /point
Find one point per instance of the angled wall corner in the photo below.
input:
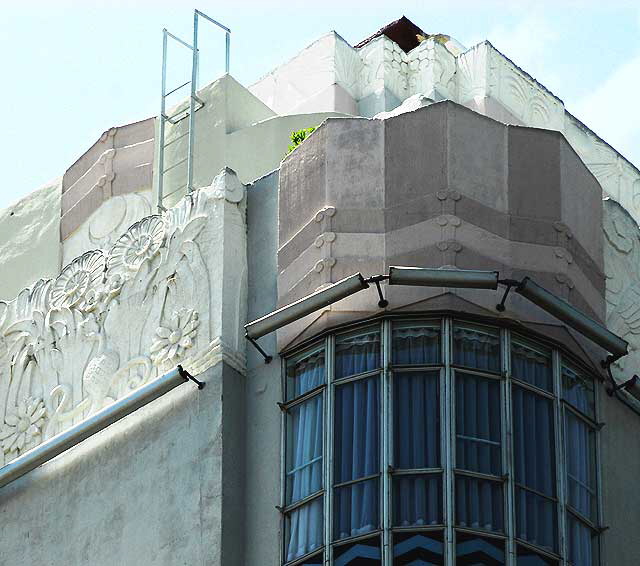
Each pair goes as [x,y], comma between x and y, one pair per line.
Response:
[439,186]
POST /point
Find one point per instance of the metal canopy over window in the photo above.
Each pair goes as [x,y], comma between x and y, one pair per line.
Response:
[438,442]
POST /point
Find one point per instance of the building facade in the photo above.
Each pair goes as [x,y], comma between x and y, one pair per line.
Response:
[434,429]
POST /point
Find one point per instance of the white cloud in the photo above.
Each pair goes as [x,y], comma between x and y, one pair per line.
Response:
[611,109]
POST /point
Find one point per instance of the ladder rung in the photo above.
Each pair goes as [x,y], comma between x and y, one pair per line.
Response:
[175,139]
[173,166]
[175,89]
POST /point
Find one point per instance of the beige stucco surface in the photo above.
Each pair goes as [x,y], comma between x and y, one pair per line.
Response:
[29,239]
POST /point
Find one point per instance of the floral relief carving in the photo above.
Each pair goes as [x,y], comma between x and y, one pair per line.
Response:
[175,338]
[23,425]
[113,320]
[140,243]
[72,285]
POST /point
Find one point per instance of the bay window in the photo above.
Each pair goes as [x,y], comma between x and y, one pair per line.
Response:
[438,442]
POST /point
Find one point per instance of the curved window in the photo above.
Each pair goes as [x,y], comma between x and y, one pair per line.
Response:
[430,442]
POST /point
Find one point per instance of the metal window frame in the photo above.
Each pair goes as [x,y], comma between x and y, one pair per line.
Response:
[448,470]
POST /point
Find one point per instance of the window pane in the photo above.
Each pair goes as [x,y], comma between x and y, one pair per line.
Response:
[476,347]
[416,420]
[583,543]
[581,476]
[356,509]
[357,352]
[419,549]
[479,504]
[533,441]
[532,365]
[536,519]
[475,551]
[304,373]
[478,424]
[417,500]
[577,389]
[415,344]
[362,553]
[357,435]
[304,449]
[303,530]
[527,557]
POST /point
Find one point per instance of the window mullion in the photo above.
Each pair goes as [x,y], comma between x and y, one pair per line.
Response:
[283,461]
[328,450]
[448,441]
[599,511]
[387,444]
[560,457]
[507,449]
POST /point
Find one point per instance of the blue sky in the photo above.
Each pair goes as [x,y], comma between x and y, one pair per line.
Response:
[70,69]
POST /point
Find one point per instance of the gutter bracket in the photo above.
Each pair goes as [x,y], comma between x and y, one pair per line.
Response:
[510,284]
[187,376]
[267,357]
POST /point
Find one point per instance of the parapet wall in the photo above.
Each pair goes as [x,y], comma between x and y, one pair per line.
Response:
[440,186]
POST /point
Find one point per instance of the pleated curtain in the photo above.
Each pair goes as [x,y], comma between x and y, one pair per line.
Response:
[304,465]
[357,435]
[417,498]
[478,449]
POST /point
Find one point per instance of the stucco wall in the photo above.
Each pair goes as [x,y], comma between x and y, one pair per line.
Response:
[620,470]
[263,390]
[29,239]
[155,488]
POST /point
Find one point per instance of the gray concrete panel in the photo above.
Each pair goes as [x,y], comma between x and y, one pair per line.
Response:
[415,154]
[534,173]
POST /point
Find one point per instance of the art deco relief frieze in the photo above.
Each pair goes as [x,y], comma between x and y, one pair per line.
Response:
[115,319]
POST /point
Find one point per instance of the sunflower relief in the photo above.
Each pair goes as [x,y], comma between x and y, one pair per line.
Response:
[115,319]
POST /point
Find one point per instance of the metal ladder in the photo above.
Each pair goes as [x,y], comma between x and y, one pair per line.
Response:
[195,103]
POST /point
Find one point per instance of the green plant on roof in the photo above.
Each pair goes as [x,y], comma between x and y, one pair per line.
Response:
[298,136]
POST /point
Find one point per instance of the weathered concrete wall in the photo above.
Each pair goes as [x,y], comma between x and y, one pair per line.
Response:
[620,469]
[29,240]
[440,186]
[158,487]
[264,385]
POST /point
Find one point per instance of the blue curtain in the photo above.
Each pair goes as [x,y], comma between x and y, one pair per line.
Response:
[305,374]
[304,529]
[304,476]
[582,544]
[479,504]
[357,455]
[417,500]
[580,466]
[304,456]
[475,348]
[578,391]
[478,449]
[415,345]
[531,366]
[533,444]
[478,428]
[357,353]
[416,419]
